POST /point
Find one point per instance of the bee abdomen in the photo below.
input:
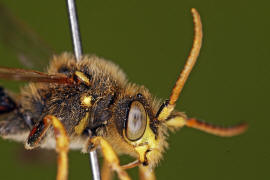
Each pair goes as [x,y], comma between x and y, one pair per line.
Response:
[6,103]
[12,123]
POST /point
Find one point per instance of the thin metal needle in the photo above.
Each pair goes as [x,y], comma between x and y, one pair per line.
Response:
[75,31]
[73,20]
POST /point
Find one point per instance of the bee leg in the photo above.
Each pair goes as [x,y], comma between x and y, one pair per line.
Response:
[62,146]
[62,142]
[106,172]
[110,156]
[37,133]
[146,173]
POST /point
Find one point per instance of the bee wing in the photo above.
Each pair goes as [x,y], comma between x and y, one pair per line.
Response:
[33,76]
[29,48]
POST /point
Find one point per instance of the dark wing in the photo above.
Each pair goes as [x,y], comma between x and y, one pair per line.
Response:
[29,48]
[33,76]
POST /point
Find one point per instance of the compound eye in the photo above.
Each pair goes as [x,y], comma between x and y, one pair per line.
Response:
[136,122]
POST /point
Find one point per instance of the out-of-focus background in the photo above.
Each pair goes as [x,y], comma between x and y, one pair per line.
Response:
[150,40]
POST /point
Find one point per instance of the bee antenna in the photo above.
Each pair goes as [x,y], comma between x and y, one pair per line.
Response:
[194,53]
[217,130]
[191,60]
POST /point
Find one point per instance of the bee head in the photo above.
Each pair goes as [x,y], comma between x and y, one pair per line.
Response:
[136,121]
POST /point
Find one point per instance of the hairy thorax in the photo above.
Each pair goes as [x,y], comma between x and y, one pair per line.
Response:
[81,108]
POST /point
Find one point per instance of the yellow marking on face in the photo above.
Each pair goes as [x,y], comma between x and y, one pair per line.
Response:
[141,150]
[82,124]
[82,77]
[147,142]
[165,112]
[86,101]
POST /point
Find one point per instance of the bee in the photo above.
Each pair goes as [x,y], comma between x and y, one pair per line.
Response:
[90,104]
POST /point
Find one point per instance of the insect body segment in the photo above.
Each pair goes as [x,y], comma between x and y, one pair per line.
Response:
[6,103]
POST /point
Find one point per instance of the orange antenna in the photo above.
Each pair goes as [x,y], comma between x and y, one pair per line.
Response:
[168,107]
[194,53]
[217,130]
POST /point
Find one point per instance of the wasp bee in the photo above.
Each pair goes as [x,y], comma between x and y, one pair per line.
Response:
[90,103]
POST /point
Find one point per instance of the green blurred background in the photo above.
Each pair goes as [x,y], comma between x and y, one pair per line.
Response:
[150,40]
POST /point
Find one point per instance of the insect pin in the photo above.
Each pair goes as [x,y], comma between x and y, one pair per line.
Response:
[88,104]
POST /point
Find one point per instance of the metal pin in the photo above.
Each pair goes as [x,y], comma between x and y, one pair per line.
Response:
[73,20]
[75,31]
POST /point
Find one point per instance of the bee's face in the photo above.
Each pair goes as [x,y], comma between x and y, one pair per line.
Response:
[136,122]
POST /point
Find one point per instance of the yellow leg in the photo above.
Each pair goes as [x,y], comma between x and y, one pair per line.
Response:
[110,156]
[62,142]
[106,172]
[146,173]
[62,145]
